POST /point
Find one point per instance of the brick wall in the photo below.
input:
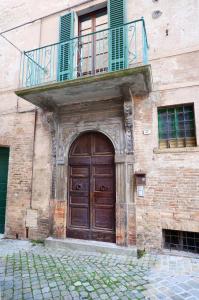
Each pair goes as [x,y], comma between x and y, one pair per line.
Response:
[172,175]
[17,133]
[172,189]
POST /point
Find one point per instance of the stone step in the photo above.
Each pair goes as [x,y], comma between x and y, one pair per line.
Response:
[90,246]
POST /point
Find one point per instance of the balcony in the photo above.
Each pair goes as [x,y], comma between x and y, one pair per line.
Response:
[91,67]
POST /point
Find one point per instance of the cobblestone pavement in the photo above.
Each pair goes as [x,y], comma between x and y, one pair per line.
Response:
[29,271]
[173,277]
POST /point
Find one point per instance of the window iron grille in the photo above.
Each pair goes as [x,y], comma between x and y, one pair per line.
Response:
[181,240]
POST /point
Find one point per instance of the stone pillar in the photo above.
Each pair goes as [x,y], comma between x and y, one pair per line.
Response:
[125,208]
[58,198]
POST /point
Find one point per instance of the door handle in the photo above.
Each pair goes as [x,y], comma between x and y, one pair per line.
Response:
[78,187]
[103,188]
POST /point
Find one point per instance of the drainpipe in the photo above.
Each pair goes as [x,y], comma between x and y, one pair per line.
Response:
[33,155]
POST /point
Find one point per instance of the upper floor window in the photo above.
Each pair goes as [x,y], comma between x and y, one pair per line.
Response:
[176,126]
[94,21]
[93,48]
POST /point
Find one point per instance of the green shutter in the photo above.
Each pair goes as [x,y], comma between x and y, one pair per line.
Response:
[117,37]
[66,57]
[4,156]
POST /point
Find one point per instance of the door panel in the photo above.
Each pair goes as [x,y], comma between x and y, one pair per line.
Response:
[101,147]
[79,216]
[103,184]
[92,189]
[102,160]
[100,199]
[82,148]
[79,196]
[80,171]
[79,200]
[79,184]
[77,161]
[103,218]
[103,170]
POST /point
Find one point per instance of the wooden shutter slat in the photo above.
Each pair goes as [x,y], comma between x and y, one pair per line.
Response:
[117,37]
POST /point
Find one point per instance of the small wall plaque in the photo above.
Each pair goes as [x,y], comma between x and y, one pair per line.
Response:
[146,131]
[140,191]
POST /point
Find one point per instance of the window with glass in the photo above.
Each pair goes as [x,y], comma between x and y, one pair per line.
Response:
[93,47]
[176,126]
[181,240]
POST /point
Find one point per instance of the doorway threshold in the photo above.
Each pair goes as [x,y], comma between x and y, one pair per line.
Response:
[90,246]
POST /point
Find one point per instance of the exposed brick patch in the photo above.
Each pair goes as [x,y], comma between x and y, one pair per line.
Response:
[58,215]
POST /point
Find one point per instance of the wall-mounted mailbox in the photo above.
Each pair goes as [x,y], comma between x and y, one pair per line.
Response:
[140,179]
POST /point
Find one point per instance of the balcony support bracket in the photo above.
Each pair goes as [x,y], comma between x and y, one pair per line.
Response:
[128,117]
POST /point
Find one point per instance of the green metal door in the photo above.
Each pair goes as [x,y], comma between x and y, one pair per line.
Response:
[4,157]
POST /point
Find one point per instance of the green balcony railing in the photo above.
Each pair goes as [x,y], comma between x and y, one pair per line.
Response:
[100,52]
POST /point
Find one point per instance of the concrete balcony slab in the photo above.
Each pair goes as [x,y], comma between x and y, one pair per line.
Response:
[90,246]
[106,86]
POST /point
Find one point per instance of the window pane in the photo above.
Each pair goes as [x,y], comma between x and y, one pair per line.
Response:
[189,115]
[171,125]
[101,19]
[163,135]
[175,125]
[179,109]
[190,133]
[86,24]
[188,108]
[180,116]
[171,134]
[189,125]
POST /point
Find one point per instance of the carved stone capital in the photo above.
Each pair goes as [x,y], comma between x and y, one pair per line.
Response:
[51,119]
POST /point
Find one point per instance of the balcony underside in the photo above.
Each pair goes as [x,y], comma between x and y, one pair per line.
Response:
[52,96]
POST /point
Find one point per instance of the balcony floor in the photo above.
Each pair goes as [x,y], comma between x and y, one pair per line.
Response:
[106,86]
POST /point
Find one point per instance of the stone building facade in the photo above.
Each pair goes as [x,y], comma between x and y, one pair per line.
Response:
[40,124]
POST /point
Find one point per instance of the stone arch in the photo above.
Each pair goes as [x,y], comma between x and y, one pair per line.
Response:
[73,135]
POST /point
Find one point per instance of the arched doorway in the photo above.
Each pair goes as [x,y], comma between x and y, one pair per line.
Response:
[92,196]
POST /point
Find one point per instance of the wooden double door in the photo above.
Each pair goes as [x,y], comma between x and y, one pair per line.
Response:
[91,205]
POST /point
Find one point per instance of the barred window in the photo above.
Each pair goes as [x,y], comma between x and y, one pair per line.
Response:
[181,240]
[176,126]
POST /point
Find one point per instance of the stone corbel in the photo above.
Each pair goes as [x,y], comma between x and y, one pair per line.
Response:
[50,118]
[128,118]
